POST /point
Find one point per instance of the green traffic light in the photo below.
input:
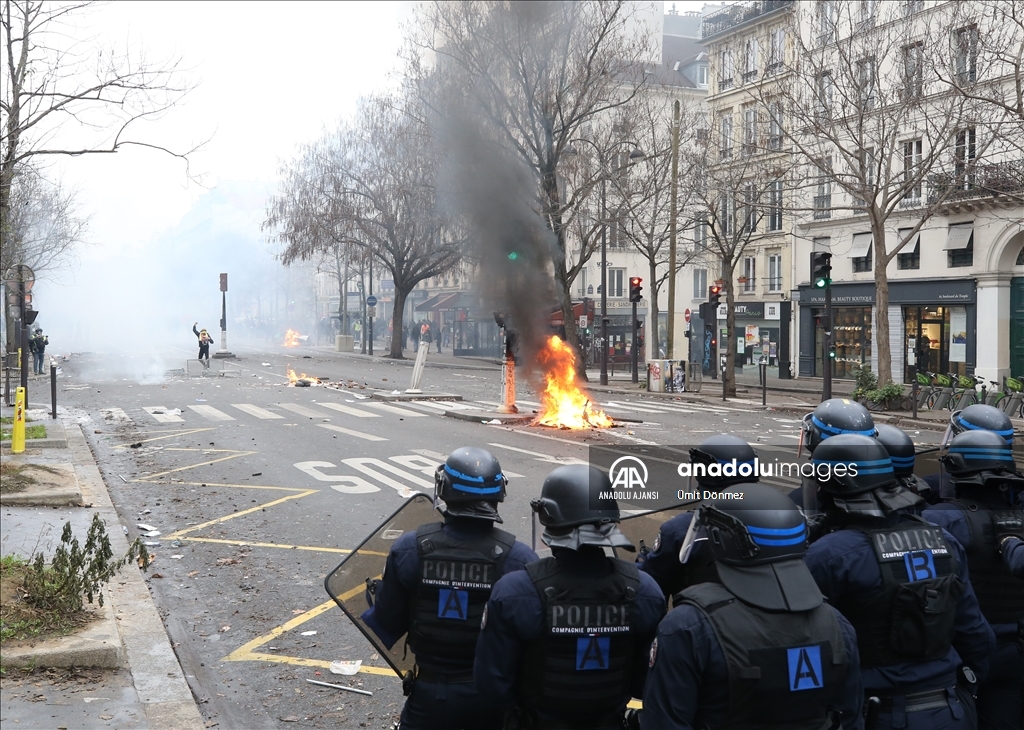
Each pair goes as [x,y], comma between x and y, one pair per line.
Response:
[822,283]
[513,256]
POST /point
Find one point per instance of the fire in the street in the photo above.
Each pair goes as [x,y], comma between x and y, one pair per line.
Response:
[301,381]
[291,338]
[563,403]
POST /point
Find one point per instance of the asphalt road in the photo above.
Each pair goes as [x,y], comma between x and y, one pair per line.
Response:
[258,489]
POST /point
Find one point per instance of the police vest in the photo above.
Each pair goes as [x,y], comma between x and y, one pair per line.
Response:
[582,664]
[452,588]
[1000,594]
[783,667]
[910,617]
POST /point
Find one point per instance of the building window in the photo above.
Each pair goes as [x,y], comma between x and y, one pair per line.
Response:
[824,106]
[960,245]
[826,21]
[727,211]
[776,51]
[725,137]
[866,83]
[910,257]
[965,54]
[962,257]
[775,272]
[726,70]
[867,14]
[867,179]
[700,233]
[775,205]
[750,59]
[862,263]
[911,164]
[912,6]
[775,129]
[749,207]
[964,153]
[702,76]
[615,279]
[700,283]
[617,237]
[913,70]
[823,192]
[749,274]
[749,130]
[1020,258]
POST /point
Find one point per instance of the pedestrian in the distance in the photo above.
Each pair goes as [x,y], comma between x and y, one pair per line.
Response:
[204,344]
[37,346]
[414,332]
[437,336]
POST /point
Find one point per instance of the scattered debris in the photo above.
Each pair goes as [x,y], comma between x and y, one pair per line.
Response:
[228,561]
[341,686]
[152,544]
[144,526]
[136,445]
[176,557]
[308,633]
[346,667]
[258,474]
[151,533]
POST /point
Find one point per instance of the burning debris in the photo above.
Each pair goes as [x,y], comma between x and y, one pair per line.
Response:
[293,339]
[303,380]
[563,403]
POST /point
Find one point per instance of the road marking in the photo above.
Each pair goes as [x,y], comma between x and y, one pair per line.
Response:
[400,411]
[180,533]
[256,411]
[541,457]
[302,410]
[279,546]
[185,432]
[234,455]
[160,414]
[114,414]
[613,406]
[430,454]
[348,410]
[352,485]
[350,432]
[211,413]
[368,465]
[442,405]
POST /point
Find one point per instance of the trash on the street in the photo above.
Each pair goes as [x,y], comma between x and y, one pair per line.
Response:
[154,543]
[341,686]
[308,633]
[144,526]
[151,533]
[494,422]
[175,557]
[346,667]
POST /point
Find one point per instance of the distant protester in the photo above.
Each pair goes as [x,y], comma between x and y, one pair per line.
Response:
[37,346]
[204,344]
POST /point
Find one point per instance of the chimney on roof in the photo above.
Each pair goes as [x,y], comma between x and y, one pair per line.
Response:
[673,10]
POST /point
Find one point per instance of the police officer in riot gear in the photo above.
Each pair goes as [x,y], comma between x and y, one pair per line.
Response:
[902,583]
[730,453]
[903,454]
[986,515]
[833,417]
[977,417]
[761,648]
[435,585]
[564,643]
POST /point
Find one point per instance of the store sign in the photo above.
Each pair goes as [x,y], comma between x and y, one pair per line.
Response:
[752,310]
[958,334]
[772,310]
[626,304]
[937,291]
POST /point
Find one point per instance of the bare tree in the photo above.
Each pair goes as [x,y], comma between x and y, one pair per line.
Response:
[533,75]
[874,131]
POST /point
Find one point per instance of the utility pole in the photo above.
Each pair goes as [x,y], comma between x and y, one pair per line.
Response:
[673,207]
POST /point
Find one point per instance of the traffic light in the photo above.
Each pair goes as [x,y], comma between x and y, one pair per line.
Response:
[513,255]
[714,294]
[821,269]
[635,289]
[832,352]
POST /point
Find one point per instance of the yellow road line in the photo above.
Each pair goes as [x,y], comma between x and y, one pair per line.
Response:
[233,515]
[193,466]
[167,436]
[225,484]
[312,548]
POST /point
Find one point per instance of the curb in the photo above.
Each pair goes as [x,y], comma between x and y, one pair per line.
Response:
[158,678]
[99,645]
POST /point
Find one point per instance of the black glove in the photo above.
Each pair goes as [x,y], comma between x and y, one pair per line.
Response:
[641,556]
[631,720]
[1008,524]
[371,591]
[818,526]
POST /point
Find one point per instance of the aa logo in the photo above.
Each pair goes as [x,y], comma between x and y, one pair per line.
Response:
[804,668]
[628,472]
[920,565]
[453,603]
[592,652]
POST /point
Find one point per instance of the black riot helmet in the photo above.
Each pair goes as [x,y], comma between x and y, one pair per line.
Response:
[834,417]
[758,537]
[725,451]
[574,512]
[971,452]
[855,473]
[899,446]
[470,484]
[979,417]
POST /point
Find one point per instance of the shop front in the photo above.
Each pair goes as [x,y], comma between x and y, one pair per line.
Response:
[932,325]
[757,332]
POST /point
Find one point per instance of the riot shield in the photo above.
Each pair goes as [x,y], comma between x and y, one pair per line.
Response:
[346,584]
[645,526]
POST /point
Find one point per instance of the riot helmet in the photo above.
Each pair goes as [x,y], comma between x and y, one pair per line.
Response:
[855,473]
[758,537]
[574,512]
[470,484]
[971,452]
[723,449]
[900,447]
[834,417]
[979,417]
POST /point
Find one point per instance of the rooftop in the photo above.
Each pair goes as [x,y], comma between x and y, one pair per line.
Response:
[738,14]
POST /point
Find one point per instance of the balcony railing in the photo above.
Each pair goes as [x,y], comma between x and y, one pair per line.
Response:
[822,206]
[982,181]
[738,13]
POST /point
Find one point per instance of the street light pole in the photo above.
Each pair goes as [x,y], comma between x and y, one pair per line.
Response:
[674,189]
[604,279]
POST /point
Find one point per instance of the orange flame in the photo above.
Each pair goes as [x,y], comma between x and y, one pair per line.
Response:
[304,379]
[291,338]
[563,403]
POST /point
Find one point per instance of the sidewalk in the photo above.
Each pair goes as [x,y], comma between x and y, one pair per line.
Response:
[141,683]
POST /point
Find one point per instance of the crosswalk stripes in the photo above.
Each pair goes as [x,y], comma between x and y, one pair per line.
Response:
[399,411]
[211,413]
[350,432]
[347,410]
[443,406]
[613,405]
[302,410]
[261,413]
[162,415]
[114,414]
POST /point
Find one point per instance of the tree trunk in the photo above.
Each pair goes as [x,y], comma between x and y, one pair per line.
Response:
[729,376]
[397,317]
[653,323]
[881,323]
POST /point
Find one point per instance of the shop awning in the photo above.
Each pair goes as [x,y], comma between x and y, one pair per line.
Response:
[861,245]
[431,304]
[959,237]
[913,243]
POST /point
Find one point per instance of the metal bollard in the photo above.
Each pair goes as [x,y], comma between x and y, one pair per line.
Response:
[53,389]
[762,365]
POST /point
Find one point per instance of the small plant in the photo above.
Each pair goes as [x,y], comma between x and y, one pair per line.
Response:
[866,382]
[31,432]
[887,393]
[78,573]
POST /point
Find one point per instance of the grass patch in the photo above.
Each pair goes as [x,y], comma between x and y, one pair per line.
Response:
[8,420]
[20,618]
[31,432]
[13,478]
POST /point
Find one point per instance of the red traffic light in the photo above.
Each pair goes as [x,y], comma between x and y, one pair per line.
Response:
[635,281]
[635,289]
[716,289]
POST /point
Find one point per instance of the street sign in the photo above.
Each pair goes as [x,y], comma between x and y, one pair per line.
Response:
[583,321]
[686,314]
[223,284]
[371,301]
[371,311]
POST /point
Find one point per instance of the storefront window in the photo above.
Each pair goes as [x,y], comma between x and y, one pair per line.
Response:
[929,337]
[851,333]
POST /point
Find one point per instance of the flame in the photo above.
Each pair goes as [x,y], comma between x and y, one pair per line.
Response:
[291,338]
[563,403]
[301,380]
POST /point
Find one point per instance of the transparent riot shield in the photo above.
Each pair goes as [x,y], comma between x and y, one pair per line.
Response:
[642,529]
[346,584]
